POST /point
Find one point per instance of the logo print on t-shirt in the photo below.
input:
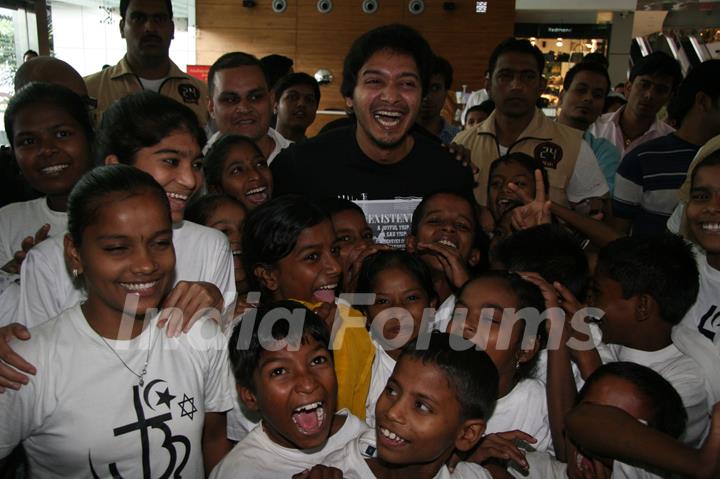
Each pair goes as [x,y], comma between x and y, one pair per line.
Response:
[710,322]
[189,93]
[549,154]
[144,424]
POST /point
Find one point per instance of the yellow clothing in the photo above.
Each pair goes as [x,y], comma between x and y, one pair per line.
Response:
[118,81]
[556,146]
[353,354]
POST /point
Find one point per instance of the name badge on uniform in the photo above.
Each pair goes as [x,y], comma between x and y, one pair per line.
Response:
[189,93]
[549,154]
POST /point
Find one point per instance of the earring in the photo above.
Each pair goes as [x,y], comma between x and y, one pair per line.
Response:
[75,273]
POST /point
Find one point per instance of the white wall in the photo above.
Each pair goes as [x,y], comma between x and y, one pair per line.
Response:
[87,37]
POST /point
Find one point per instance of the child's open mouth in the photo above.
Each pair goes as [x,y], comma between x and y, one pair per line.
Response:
[325,293]
[389,438]
[309,418]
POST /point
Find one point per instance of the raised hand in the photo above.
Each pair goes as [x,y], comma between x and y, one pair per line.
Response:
[13,266]
[535,211]
[183,303]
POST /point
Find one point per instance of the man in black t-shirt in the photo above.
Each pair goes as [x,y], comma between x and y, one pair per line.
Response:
[385,76]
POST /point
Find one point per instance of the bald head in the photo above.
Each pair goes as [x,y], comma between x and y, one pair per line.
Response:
[50,70]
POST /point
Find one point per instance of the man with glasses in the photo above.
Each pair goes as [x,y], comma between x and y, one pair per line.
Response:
[517,125]
[148,29]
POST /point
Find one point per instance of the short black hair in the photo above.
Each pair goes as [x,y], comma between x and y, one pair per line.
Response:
[200,211]
[530,163]
[596,57]
[700,78]
[272,230]
[234,60]
[713,159]
[217,154]
[275,67]
[245,351]
[37,93]
[612,100]
[333,206]
[549,250]
[401,259]
[395,38]
[658,63]
[481,241]
[470,372]
[586,66]
[30,52]
[100,183]
[529,296]
[141,120]
[441,66]
[516,45]
[124,4]
[292,79]
[668,412]
[488,106]
[662,267]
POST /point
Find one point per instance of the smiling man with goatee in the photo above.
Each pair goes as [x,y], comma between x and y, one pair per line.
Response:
[385,77]
[148,28]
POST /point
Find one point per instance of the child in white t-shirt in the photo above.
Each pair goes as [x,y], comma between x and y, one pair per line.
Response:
[113,394]
[643,288]
[284,372]
[446,234]
[162,137]
[489,312]
[435,404]
[403,289]
[51,138]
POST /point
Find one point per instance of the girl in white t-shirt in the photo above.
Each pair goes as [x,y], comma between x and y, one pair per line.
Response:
[403,289]
[162,137]
[234,165]
[113,394]
[51,138]
[487,313]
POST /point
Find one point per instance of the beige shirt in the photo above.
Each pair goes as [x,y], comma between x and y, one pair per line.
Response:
[115,82]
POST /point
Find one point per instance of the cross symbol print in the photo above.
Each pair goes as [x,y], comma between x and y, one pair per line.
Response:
[189,411]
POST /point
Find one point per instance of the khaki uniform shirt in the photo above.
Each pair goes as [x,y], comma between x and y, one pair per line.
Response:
[115,82]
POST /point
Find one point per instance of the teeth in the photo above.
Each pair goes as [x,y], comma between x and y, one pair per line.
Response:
[388,118]
[54,169]
[255,191]
[237,252]
[177,196]
[320,414]
[448,243]
[138,286]
[391,435]
[328,286]
[308,407]
[712,227]
[394,114]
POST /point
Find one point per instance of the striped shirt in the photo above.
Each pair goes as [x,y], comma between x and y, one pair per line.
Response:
[647,183]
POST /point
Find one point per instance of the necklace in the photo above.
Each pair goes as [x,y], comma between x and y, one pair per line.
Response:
[141,376]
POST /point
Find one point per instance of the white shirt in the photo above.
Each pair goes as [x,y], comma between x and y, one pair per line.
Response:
[587,180]
[280,143]
[85,411]
[543,465]
[704,315]
[523,408]
[444,314]
[258,457]
[382,368]
[680,370]
[351,460]
[20,220]
[47,287]
[608,126]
